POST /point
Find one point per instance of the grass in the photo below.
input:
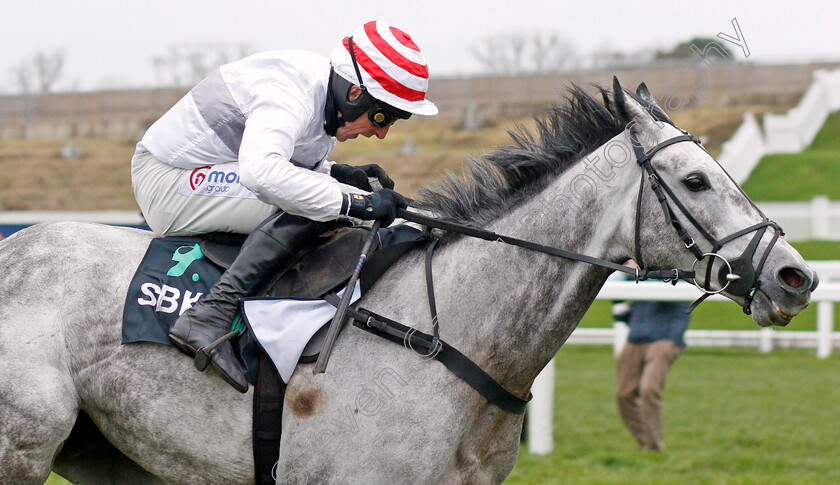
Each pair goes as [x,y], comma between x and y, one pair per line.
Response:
[800,176]
[732,416]
[35,178]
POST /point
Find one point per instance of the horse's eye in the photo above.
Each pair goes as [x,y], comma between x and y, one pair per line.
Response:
[696,182]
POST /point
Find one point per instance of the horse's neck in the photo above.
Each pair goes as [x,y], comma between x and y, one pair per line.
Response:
[514,308]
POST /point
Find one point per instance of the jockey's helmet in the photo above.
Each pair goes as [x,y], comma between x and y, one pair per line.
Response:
[390,69]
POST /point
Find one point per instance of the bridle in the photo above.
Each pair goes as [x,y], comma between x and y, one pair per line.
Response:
[738,276]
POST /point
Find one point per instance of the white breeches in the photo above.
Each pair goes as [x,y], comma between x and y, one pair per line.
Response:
[182,202]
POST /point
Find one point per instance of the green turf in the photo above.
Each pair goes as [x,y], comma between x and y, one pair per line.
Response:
[800,176]
[818,250]
[732,416]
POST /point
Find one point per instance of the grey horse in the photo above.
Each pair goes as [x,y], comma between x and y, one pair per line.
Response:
[72,399]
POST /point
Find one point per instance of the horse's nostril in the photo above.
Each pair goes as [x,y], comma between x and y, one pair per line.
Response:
[815,282]
[794,278]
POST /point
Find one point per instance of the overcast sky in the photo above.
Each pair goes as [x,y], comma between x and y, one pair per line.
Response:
[112,43]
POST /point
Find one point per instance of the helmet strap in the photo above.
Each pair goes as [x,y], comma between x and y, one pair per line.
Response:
[356,64]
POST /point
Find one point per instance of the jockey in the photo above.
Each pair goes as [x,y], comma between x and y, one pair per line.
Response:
[245,152]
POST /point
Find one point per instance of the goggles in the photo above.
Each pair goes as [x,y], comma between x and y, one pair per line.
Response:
[382,115]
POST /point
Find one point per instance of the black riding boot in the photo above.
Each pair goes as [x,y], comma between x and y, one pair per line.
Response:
[267,251]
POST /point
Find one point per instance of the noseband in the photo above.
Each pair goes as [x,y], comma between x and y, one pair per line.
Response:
[739,277]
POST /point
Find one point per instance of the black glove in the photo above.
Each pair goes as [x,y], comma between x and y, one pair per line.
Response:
[381,206]
[358,176]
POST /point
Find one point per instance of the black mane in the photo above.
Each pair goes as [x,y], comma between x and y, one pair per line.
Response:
[494,183]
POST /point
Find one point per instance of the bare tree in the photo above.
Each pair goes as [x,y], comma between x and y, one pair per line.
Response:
[49,68]
[189,63]
[494,53]
[550,53]
[40,72]
[24,77]
[516,54]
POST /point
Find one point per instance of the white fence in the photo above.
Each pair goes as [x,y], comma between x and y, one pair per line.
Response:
[817,219]
[824,339]
[791,132]
[801,221]
[741,153]
[25,218]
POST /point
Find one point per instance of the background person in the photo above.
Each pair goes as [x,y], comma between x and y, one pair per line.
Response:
[655,341]
[245,152]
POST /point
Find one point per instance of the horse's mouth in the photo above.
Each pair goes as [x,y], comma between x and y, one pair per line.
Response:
[784,316]
[767,312]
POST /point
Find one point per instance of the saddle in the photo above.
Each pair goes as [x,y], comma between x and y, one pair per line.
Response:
[322,269]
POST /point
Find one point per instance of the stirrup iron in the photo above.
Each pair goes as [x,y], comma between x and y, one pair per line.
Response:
[202,355]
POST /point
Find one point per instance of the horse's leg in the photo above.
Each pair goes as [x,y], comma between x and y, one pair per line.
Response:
[88,458]
[38,407]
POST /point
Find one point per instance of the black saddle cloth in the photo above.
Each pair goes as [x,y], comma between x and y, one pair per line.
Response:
[176,271]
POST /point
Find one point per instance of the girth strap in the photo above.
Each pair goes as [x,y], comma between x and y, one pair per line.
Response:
[450,357]
[268,417]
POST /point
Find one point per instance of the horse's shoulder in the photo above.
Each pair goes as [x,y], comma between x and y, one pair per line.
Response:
[58,241]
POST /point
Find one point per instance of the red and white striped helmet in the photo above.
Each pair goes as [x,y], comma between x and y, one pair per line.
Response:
[393,69]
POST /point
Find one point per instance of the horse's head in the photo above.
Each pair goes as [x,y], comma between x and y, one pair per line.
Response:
[692,215]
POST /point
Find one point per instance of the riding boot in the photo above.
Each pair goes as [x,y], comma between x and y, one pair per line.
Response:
[204,330]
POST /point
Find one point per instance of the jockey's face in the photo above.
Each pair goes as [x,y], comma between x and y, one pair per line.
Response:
[361,125]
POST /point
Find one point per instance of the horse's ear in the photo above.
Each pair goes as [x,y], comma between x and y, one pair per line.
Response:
[627,108]
[643,94]
[620,102]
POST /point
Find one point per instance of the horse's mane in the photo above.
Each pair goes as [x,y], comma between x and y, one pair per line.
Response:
[493,183]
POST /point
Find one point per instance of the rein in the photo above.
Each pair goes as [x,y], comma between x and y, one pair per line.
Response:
[739,276]
[671,275]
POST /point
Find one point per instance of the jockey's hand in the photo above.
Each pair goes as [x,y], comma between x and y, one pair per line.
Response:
[358,176]
[381,206]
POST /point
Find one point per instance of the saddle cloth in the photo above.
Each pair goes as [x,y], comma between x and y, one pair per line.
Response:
[177,271]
